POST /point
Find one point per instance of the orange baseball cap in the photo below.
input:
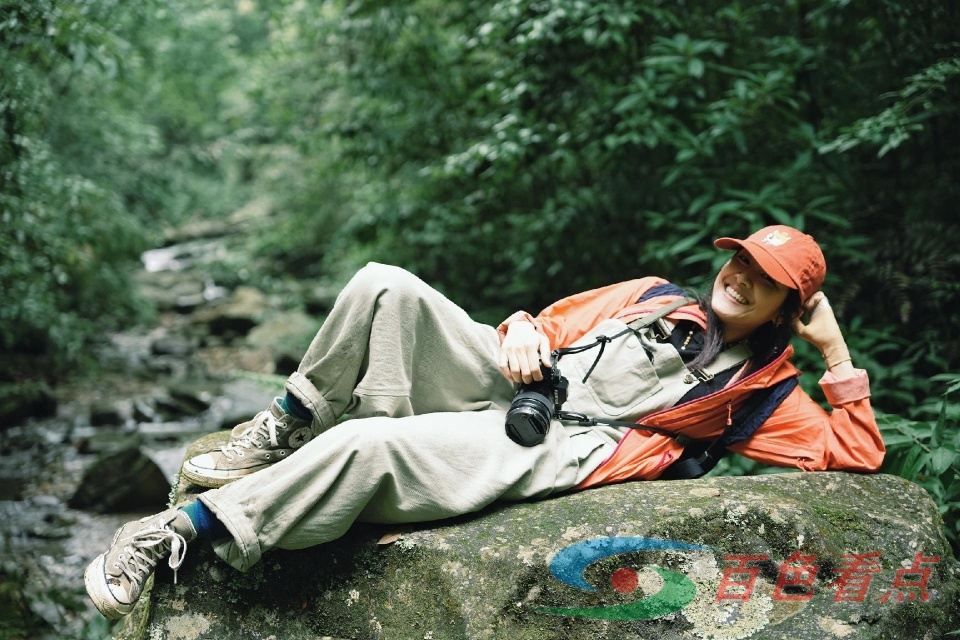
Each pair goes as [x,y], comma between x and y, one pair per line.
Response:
[787,255]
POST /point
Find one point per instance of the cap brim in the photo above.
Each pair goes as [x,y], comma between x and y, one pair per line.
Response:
[761,256]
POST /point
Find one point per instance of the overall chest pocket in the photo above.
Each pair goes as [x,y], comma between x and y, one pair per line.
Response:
[623,378]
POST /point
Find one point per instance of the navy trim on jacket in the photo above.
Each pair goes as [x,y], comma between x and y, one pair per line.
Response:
[666,289]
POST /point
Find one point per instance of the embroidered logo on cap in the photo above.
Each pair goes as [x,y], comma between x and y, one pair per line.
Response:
[777,238]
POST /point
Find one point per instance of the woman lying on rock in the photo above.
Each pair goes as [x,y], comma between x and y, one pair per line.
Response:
[650,373]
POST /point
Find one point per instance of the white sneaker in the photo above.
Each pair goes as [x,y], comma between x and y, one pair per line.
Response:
[269,438]
[115,579]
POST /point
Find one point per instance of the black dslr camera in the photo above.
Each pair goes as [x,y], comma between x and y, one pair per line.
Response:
[535,404]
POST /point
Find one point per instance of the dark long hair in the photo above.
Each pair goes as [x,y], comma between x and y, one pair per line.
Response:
[766,342]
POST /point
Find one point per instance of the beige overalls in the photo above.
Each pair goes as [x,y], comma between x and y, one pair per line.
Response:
[421,383]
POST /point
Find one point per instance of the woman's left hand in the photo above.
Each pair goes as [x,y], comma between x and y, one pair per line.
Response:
[822,330]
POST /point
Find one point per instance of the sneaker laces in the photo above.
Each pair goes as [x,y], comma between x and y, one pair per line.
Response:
[266,425]
[146,549]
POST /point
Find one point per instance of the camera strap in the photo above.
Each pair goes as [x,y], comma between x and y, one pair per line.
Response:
[703,455]
[634,327]
[586,421]
[637,325]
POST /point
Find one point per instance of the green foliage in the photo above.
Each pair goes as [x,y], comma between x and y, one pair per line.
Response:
[518,151]
[110,125]
[928,453]
[65,237]
[892,127]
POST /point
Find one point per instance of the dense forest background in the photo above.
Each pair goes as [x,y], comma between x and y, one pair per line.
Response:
[507,152]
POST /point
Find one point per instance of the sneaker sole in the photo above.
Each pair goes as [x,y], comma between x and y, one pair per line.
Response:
[99,593]
[207,478]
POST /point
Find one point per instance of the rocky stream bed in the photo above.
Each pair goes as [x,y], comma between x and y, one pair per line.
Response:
[80,459]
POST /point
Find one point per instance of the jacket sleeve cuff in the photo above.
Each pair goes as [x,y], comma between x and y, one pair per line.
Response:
[519,315]
[846,390]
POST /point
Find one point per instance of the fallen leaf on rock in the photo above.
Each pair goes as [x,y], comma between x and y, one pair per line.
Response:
[390,538]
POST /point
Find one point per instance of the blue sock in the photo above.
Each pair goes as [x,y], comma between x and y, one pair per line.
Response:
[205,522]
[292,405]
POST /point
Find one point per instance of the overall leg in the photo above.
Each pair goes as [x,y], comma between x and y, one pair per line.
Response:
[394,346]
[410,469]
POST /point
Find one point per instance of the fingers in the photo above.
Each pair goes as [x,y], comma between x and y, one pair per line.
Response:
[821,301]
[798,327]
[822,313]
[545,355]
[516,366]
[821,329]
[817,299]
[521,355]
[817,308]
[509,365]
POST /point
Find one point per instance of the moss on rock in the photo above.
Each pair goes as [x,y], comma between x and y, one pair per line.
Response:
[487,575]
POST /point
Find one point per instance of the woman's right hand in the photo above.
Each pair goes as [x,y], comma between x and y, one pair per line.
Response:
[522,352]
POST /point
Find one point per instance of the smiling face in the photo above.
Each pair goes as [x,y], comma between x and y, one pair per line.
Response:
[745,297]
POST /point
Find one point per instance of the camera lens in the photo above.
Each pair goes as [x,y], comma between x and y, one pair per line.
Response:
[528,419]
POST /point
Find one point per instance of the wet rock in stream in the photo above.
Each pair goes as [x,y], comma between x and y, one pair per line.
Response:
[122,479]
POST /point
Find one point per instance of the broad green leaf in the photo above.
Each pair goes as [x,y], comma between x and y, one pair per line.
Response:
[663,61]
[942,459]
[898,439]
[699,202]
[630,102]
[681,246]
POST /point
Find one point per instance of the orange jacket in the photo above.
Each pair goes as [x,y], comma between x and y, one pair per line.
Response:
[799,433]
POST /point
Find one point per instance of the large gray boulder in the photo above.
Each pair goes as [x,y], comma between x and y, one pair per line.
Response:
[658,557]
